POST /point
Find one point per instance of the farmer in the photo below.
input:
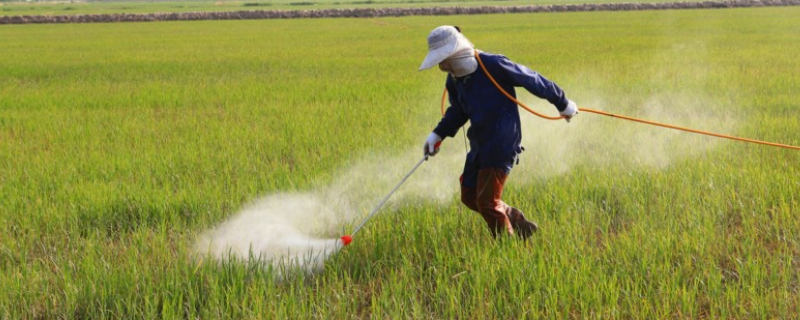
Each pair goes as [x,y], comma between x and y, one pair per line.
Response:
[494,133]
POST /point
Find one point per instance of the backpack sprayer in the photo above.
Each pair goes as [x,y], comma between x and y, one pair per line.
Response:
[346,239]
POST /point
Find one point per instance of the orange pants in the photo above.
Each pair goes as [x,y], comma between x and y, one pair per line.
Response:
[486,200]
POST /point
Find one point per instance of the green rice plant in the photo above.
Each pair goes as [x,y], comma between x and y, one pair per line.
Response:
[121,143]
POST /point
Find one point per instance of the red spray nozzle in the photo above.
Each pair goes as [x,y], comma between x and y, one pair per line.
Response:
[346,239]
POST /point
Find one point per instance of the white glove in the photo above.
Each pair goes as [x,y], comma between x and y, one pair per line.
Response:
[570,111]
[432,144]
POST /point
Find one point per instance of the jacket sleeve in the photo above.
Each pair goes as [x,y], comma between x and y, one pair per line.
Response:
[535,83]
[454,117]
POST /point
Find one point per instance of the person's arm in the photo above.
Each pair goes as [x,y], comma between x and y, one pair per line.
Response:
[535,83]
[522,76]
[454,118]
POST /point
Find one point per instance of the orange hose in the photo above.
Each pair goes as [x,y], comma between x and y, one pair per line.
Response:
[718,135]
[477,56]
[444,97]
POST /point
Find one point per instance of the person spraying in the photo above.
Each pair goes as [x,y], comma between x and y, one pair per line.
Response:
[495,132]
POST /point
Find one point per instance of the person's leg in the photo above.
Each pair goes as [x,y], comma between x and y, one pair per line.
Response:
[489,192]
[469,181]
[489,198]
[469,196]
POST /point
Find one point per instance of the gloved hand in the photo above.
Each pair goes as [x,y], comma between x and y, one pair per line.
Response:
[432,144]
[570,111]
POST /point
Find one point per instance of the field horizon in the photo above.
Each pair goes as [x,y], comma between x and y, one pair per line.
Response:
[192,10]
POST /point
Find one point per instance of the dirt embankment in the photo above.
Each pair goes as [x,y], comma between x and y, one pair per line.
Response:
[386,12]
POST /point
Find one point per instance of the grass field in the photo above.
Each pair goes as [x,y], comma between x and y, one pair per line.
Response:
[16,8]
[121,143]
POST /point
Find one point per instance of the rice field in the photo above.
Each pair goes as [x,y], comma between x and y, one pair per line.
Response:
[122,144]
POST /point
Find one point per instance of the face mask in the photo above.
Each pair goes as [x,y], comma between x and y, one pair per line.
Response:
[459,67]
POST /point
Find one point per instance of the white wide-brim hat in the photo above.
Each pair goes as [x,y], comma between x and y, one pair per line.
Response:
[444,42]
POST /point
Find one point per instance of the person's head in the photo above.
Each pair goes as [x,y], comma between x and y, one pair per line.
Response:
[451,50]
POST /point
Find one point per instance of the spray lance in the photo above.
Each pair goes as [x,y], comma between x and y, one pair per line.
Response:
[346,239]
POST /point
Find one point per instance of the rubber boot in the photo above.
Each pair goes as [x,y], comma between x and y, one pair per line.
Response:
[522,226]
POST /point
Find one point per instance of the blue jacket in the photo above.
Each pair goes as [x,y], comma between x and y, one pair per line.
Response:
[494,133]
